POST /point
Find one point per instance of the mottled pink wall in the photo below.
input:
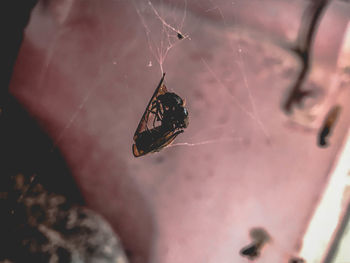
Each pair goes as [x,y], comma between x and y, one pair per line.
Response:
[84,73]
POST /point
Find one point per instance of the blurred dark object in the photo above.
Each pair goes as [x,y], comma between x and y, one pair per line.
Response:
[251,251]
[296,260]
[260,237]
[15,17]
[328,125]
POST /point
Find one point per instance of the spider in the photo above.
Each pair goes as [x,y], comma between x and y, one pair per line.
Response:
[169,110]
[180,36]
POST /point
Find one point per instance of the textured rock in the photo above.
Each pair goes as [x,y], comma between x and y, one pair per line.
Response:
[46,227]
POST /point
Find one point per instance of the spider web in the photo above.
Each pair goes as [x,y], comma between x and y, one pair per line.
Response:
[170,28]
[164,26]
[166,32]
[253,114]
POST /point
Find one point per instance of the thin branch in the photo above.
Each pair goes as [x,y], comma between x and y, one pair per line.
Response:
[306,34]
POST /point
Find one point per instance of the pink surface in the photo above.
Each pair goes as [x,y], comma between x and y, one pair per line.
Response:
[87,70]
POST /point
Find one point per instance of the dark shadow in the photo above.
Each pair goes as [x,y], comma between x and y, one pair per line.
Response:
[25,148]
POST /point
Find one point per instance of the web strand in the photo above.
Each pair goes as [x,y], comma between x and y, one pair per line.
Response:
[167,40]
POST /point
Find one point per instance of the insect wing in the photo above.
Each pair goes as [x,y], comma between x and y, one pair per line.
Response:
[136,151]
[166,140]
[159,144]
[161,89]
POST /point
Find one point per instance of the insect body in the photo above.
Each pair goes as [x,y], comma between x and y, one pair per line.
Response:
[328,125]
[251,251]
[260,238]
[166,115]
[180,36]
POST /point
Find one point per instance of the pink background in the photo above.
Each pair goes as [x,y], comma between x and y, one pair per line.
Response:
[87,69]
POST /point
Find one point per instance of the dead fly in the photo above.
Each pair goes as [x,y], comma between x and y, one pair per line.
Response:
[164,118]
[328,125]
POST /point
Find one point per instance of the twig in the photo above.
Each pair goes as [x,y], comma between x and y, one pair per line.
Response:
[310,21]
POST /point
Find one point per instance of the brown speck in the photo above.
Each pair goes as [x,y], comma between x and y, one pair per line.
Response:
[19,181]
[328,125]
[296,260]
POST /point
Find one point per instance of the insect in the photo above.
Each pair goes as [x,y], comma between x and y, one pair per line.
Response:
[260,238]
[328,125]
[164,118]
[180,36]
[251,251]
